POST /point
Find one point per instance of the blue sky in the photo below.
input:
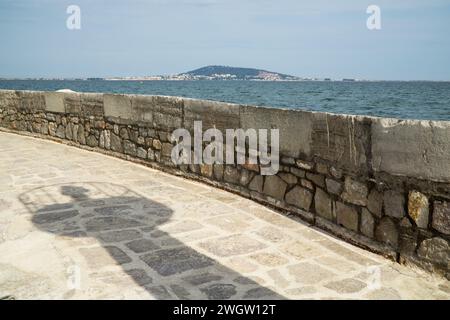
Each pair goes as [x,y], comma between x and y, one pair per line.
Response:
[305,38]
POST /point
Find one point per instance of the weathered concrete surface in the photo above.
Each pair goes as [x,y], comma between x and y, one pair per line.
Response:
[295,127]
[411,148]
[76,224]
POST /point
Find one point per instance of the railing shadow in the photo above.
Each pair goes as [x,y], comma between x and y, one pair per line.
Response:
[125,224]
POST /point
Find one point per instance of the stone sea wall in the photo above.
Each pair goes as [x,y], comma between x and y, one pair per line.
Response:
[382,184]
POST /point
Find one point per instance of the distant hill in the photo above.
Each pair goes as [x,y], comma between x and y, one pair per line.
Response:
[234,73]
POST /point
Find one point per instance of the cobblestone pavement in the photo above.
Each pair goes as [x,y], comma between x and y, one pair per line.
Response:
[76,224]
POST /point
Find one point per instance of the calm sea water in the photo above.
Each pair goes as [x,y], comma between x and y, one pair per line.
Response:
[405,100]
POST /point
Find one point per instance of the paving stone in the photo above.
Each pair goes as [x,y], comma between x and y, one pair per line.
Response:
[110,223]
[202,278]
[120,235]
[346,285]
[273,234]
[92,203]
[55,207]
[159,292]
[299,197]
[242,265]
[219,291]
[302,291]
[113,210]
[232,245]
[172,261]
[141,245]
[54,217]
[180,292]
[118,254]
[269,259]
[231,223]
[308,273]
[394,204]
[441,217]
[139,276]
[259,293]
[383,294]
[183,226]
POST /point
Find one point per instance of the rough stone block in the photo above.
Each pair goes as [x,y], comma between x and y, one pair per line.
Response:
[166,150]
[218,171]
[141,153]
[436,250]
[346,216]
[322,202]
[275,187]
[257,184]
[441,217]
[355,192]
[367,223]
[394,204]
[246,177]
[300,197]
[129,148]
[375,203]
[418,208]
[231,175]
[288,178]
[387,232]
[206,170]
[318,179]
[333,186]
[116,143]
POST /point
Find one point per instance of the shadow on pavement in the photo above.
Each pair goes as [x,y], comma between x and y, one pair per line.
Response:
[125,224]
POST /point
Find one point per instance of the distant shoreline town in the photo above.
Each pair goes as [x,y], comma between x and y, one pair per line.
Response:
[205,73]
[216,73]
